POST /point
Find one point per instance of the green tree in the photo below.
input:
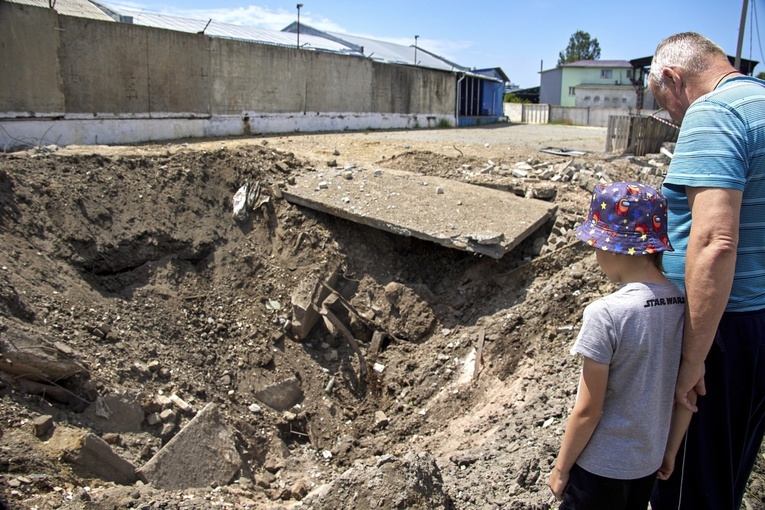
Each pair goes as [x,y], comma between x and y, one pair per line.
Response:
[580,47]
[761,75]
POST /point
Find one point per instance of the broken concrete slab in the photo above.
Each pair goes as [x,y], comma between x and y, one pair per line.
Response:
[462,216]
[202,454]
[90,456]
[116,412]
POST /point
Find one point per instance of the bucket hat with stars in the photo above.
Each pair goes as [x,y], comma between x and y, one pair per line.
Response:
[628,218]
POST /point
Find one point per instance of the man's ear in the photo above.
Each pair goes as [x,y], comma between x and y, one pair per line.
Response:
[673,79]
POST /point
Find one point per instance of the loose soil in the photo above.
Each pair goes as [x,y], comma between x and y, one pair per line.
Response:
[129,258]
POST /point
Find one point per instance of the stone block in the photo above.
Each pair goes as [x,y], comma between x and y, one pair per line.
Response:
[281,396]
[90,456]
[202,454]
[42,424]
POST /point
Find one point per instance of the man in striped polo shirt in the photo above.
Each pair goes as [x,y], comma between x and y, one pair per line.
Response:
[717,177]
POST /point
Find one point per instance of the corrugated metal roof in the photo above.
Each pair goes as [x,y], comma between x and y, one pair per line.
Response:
[231,31]
[76,8]
[599,63]
[393,53]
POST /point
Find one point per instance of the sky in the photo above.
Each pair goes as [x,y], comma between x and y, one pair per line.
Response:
[521,37]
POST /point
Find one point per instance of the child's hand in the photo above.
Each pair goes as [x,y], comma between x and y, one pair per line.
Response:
[667,466]
[558,482]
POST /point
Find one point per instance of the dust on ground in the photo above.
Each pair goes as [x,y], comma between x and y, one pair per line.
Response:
[453,394]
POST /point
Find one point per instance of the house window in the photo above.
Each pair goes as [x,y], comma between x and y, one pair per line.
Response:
[572,91]
[587,98]
[597,98]
[606,73]
[624,100]
[629,74]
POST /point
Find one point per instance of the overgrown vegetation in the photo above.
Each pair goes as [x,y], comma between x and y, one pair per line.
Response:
[512,98]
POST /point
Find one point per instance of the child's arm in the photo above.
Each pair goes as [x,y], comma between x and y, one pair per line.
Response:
[681,417]
[581,424]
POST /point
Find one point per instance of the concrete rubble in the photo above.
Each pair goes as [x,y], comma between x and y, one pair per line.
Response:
[410,205]
[202,454]
[30,353]
[282,395]
[118,412]
[90,456]
[308,298]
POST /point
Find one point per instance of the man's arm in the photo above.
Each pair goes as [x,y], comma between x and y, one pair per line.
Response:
[581,424]
[709,267]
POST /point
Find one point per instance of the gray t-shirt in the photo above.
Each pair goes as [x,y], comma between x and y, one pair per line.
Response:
[638,332]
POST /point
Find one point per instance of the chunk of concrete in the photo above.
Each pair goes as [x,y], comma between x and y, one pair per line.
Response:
[116,412]
[202,454]
[42,424]
[90,456]
[308,296]
[464,217]
[281,396]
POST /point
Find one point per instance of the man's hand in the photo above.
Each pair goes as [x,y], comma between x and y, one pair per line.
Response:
[689,377]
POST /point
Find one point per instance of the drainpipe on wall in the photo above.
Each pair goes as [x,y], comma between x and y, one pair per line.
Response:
[494,99]
[459,97]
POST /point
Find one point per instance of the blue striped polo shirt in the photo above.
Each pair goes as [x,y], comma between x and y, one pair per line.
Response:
[722,145]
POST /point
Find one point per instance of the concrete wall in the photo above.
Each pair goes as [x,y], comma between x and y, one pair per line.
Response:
[29,71]
[513,112]
[71,80]
[580,116]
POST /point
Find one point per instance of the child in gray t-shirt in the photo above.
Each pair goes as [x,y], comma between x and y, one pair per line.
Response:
[617,433]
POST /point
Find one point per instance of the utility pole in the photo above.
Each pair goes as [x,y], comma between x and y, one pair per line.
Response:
[298,25]
[741,28]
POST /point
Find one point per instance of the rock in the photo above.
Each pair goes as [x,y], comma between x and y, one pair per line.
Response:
[116,412]
[276,455]
[90,456]
[168,416]
[203,453]
[381,421]
[365,485]
[153,419]
[42,424]
[281,396]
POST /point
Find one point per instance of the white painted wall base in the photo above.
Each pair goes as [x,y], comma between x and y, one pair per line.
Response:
[18,133]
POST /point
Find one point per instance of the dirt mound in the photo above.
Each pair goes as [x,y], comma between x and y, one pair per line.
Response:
[127,262]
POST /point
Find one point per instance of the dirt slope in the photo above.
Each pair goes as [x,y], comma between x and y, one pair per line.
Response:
[128,259]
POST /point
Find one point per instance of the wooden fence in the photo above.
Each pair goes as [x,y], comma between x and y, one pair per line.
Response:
[638,135]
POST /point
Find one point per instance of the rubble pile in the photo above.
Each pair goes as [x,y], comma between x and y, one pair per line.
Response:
[174,333]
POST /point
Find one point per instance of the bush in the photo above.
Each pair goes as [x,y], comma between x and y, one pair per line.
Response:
[512,98]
